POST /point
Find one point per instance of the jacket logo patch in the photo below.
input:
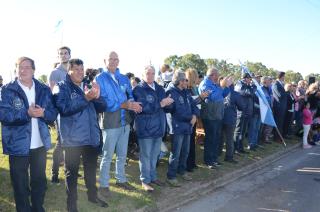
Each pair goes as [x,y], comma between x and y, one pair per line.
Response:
[123,88]
[181,100]
[18,103]
[74,95]
[150,99]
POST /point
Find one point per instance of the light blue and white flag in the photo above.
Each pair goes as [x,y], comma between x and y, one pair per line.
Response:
[265,110]
[58,26]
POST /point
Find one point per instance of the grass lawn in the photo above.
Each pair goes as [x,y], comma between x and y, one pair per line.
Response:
[121,200]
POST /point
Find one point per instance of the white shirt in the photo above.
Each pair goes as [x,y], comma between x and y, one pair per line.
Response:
[36,140]
[114,78]
[152,86]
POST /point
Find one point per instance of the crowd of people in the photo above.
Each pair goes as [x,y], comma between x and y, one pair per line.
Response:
[95,112]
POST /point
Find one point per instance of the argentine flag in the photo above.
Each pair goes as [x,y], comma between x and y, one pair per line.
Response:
[58,26]
[265,110]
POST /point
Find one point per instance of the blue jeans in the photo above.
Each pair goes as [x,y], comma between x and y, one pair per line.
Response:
[114,139]
[254,128]
[149,153]
[212,130]
[178,156]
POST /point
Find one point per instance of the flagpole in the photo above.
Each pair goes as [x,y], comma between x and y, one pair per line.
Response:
[61,41]
[284,143]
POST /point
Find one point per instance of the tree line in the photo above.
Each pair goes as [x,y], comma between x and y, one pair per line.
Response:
[225,68]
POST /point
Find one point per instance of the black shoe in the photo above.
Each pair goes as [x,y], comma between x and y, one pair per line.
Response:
[104,192]
[72,208]
[125,186]
[189,170]
[55,179]
[99,202]
[312,143]
[214,165]
[196,166]
[231,161]
[243,152]
[252,148]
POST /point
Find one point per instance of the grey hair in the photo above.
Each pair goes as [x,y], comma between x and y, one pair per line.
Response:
[146,68]
[178,76]
[210,70]
[264,79]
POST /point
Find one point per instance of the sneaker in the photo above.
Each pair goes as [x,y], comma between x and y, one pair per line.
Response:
[147,187]
[217,164]
[157,182]
[186,177]
[99,202]
[104,192]
[173,182]
[214,165]
[317,143]
[125,186]
[307,146]
[55,179]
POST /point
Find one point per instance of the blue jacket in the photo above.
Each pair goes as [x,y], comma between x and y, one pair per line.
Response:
[151,122]
[78,124]
[212,108]
[232,103]
[114,94]
[247,93]
[182,110]
[16,123]
[217,93]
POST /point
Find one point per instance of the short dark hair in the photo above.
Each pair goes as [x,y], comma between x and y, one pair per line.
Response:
[66,48]
[129,75]
[91,73]
[73,62]
[22,59]
[137,79]
[281,74]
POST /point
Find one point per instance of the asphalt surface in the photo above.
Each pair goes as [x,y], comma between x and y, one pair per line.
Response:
[291,184]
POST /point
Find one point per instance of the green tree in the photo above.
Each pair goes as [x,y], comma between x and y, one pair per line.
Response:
[172,60]
[43,78]
[292,76]
[187,61]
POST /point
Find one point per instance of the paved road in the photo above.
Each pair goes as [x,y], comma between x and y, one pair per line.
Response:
[291,184]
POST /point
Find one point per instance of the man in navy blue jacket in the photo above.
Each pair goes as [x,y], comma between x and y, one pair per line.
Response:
[79,131]
[150,126]
[232,103]
[279,104]
[183,112]
[246,92]
[26,109]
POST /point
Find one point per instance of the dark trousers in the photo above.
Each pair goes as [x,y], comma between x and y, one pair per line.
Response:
[279,116]
[22,187]
[240,132]
[227,134]
[287,123]
[72,156]
[212,130]
[191,161]
[57,158]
